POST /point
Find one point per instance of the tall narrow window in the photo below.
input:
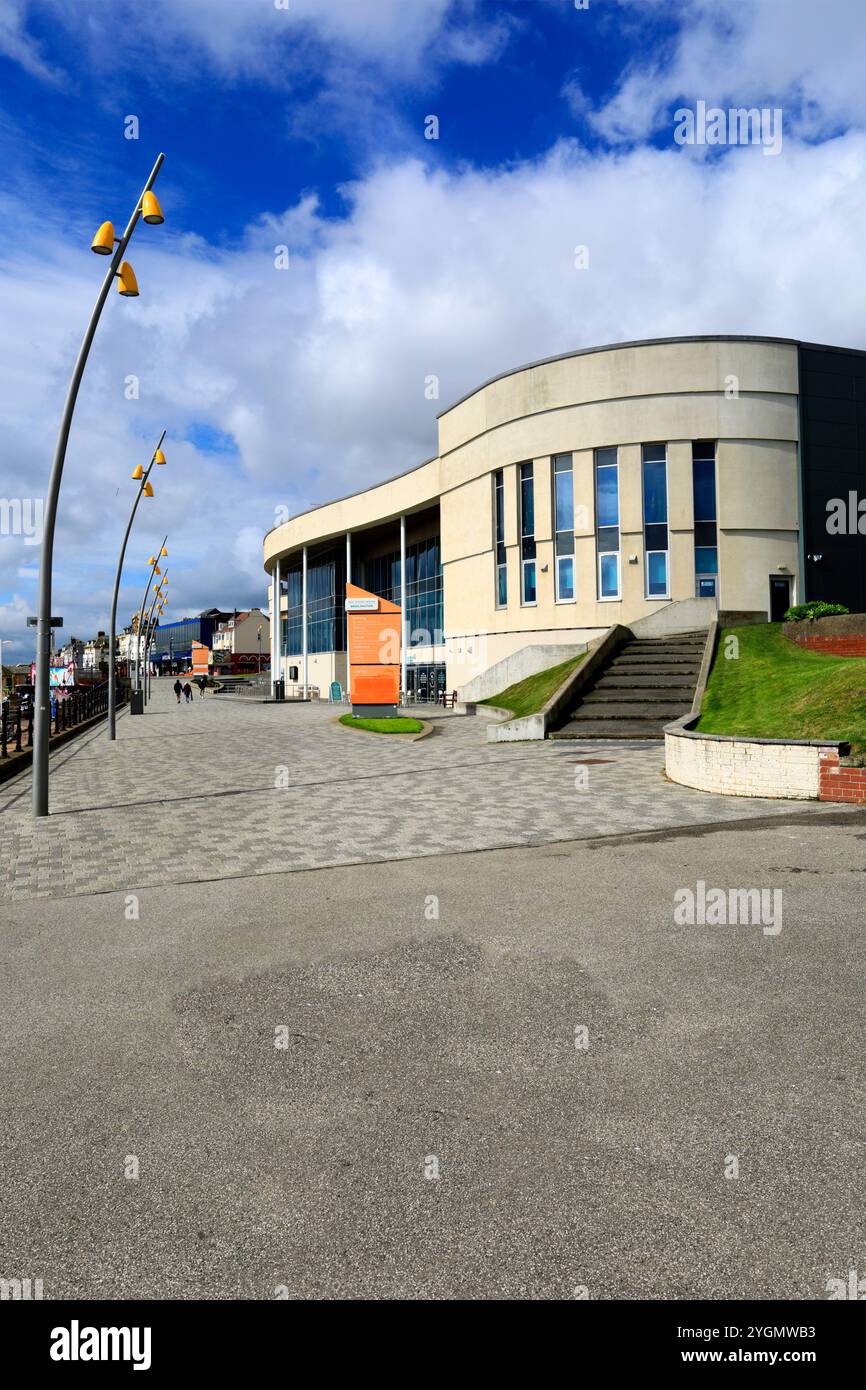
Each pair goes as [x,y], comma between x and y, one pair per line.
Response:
[527,533]
[499,539]
[655,520]
[706,520]
[607,522]
[563,511]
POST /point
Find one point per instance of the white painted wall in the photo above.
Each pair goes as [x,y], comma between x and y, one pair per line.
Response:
[741,767]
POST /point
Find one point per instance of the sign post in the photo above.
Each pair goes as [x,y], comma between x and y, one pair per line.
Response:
[375,639]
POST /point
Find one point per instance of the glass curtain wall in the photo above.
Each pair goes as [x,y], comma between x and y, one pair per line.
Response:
[655,521]
[706,519]
[326,611]
[499,539]
[563,511]
[423,588]
[607,522]
[527,534]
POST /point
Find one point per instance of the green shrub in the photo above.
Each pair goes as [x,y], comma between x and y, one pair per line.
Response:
[816,609]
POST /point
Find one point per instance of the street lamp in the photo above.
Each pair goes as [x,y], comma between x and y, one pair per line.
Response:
[159,604]
[104,244]
[157,596]
[154,568]
[141,476]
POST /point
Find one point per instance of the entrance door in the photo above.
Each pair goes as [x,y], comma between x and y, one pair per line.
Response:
[427,680]
[780,597]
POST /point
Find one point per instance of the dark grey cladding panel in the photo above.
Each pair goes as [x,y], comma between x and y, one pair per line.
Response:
[833,425]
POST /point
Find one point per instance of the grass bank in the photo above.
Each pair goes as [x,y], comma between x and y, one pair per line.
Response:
[775,689]
[532,694]
[401,725]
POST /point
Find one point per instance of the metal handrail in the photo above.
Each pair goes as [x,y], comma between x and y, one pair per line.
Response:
[66,712]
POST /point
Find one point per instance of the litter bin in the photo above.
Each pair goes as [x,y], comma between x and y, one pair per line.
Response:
[280,689]
[136,702]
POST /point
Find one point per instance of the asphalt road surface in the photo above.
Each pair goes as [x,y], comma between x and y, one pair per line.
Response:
[500,1074]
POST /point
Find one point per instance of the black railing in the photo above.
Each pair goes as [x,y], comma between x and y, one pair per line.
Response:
[67,711]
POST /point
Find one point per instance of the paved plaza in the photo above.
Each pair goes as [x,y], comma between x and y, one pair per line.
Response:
[228,788]
[420,1024]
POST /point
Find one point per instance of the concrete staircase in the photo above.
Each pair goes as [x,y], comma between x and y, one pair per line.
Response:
[649,682]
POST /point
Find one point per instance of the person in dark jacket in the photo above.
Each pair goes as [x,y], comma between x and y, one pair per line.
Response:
[187,692]
[178,690]
[201,682]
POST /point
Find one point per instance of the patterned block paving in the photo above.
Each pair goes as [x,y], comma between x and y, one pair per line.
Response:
[225,788]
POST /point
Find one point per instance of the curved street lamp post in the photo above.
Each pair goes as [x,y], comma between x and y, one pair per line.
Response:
[104,243]
[149,626]
[158,457]
[154,567]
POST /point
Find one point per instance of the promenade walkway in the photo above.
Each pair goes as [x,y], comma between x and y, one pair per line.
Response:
[227,787]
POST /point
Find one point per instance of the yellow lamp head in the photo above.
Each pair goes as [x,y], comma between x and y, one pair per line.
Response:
[151,559]
[148,489]
[103,242]
[159,457]
[127,284]
[137,472]
[150,209]
[157,570]
[163,551]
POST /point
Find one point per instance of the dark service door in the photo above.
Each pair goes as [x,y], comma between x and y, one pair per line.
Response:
[780,597]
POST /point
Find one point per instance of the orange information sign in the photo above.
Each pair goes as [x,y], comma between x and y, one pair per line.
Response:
[373,626]
[200,657]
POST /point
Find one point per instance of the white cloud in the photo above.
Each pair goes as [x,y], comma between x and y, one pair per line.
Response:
[268,41]
[16,43]
[804,56]
[318,372]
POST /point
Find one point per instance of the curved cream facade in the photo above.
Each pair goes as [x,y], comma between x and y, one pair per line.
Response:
[739,393]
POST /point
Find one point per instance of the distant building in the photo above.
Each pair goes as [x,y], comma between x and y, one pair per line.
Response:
[72,654]
[243,641]
[95,657]
[171,649]
[127,648]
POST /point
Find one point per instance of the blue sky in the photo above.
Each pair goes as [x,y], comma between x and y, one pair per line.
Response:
[304,126]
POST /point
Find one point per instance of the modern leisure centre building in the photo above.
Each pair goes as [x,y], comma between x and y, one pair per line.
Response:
[599,487]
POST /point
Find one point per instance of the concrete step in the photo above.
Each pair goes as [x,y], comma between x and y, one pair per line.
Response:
[647,680]
[658,711]
[647,675]
[616,728]
[663,659]
[624,695]
[644,652]
[670,637]
[657,659]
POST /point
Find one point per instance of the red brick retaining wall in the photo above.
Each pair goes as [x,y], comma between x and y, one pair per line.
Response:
[835,646]
[844,634]
[837,782]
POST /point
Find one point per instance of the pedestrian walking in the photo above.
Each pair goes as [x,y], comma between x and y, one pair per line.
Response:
[201,682]
[178,690]
[187,692]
